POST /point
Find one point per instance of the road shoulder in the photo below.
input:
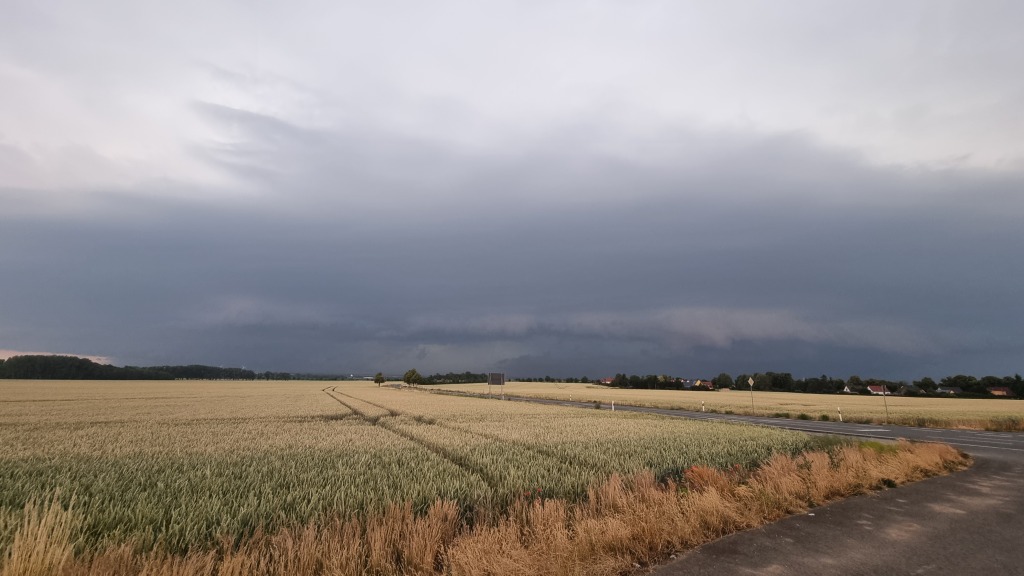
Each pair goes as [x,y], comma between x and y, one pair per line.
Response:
[965,523]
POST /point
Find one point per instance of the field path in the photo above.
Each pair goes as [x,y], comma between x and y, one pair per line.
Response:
[968,523]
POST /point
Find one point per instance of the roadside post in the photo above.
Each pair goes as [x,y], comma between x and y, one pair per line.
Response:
[496,379]
[840,410]
[885,392]
[750,380]
[701,405]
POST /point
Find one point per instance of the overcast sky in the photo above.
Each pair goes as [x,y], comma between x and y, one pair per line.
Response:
[559,187]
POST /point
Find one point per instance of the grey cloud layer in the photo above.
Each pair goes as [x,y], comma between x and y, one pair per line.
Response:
[726,250]
[558,187]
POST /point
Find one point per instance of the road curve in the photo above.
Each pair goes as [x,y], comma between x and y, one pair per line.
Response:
[970,523]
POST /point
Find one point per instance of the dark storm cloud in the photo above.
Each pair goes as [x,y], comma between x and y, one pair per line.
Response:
[727,252]
[560,188]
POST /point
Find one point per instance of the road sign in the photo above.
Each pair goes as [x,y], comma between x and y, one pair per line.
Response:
[750,381]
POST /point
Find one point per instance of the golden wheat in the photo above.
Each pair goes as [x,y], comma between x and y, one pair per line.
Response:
[625,520]
[968,413]
[349,478]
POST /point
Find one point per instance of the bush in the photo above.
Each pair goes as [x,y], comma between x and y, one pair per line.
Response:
[880,447]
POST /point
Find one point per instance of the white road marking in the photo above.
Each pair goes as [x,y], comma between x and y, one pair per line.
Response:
[983,446]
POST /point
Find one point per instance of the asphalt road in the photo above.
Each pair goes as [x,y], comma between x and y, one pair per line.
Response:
[977,443]
[970,523]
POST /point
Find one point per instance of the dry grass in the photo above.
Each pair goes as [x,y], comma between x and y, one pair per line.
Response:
[639,521]
[965,413]
[43,544]
[623,522]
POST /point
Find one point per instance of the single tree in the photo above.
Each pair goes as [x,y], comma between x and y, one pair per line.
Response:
[379,379]
[723,380]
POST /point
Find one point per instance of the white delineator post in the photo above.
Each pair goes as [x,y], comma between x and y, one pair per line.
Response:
[885,391]
[613,405]
[701,405]
[840,410]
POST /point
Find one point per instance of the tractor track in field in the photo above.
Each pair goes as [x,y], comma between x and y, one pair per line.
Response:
[371,419]
[441,423]
[442,451]
[436,450]
[449,426]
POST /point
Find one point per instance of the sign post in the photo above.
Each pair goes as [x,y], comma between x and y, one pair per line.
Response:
[750,381]
[496,379]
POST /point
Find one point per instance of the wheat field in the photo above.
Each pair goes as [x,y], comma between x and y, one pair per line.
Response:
[179,465]
[968,413]
[309,478]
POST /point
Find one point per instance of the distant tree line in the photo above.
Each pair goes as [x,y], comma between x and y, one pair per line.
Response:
[456,378]
[965,386]
[412,376]
[481,377]
[279,376]
[33,367]
[40,367]
[200,372]
[959,385]
[583,380]
[658,382]
[30,367]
